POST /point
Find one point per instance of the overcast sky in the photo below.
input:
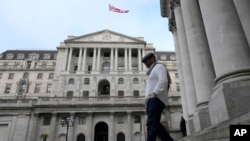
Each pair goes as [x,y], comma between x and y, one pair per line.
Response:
[43,24]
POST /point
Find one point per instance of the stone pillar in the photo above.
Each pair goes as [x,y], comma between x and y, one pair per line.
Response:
[66,58]
[143,54]
[139,59]
[90,136]
[231,54]
[111,59]
[94,60]
[242,7]
[53,126]
[126,59]
[129,125]
[84,60]
[80,61]
[116,58]
[186,64]
[71,129]
[98,59]
[69,59]
[130,60]
[199,55]
[33,127]
[111,135]
[184,101]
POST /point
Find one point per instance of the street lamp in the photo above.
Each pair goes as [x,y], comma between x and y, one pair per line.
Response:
[67,122]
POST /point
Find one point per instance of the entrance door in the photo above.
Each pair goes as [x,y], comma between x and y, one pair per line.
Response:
[101,132]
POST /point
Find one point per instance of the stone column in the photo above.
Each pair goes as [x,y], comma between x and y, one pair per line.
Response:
[130,60]
[231,54]
[53,126]
[139,59]
[111,59]
[242,7]
[72,128]
[199,55]
[98,59]
[172,28]
[90,136]
[143,54]
[116,58]
[80,60]
[186,64]
[94,60]
[111,135]
[69,59]
[126,59]
[66,58]
[33,127]
[129,125]
[84,60]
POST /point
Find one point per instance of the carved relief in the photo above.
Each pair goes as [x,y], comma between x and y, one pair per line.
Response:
[106,35]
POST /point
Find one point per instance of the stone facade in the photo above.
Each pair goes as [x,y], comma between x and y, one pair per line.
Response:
[96,79]
[212,48]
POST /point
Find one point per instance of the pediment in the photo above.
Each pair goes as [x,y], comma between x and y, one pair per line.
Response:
[104,36]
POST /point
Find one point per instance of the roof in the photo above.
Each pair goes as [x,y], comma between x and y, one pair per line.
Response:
[26,54]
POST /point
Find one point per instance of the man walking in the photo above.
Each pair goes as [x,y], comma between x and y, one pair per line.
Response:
[156,97]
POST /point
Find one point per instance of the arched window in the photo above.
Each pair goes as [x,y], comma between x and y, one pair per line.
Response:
[71,81]
[120,81]
[135,81]
[106,67]
[86,81]
[81,137]
[120,137]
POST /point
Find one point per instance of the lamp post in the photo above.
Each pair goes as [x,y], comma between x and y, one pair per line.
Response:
[67,122]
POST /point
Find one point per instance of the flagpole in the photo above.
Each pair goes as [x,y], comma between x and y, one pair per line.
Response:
[108,17]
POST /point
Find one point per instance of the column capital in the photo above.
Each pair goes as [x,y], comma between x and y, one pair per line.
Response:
[174,4]
[172,26]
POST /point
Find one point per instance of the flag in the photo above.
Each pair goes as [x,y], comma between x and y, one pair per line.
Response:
[114,9]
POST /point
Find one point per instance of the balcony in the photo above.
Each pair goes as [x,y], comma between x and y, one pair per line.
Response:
[71,101]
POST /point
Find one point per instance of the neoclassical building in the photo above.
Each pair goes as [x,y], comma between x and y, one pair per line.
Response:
[212,39]
[97,80]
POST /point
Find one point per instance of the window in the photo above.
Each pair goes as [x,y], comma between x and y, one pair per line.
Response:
[46,120]
[46,56]
[85,94]
[28,65]
[20,56]
[7,88]
[37,88]
[34,56]
[106,54]
[172,57]
[120,137]
[120,94]
[137,119]
[82,120]
[1,75]
[39,76]
[11,75]
[120,81]
[51,75]
[136,94]
[91,54]
[9,56]
[25,75]
[120,119]
[176,75]
[75,68]
[86,81]
[163,57]
[178,87]
[134,68]
[70,94]
[135,81]
[23,87]
[71,81]
[120,69]
[44,137]
[89,69]
[49,88]
[106,67]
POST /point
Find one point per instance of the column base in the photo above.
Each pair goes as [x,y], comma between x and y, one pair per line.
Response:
[201,119]
[229,100]
[190,126]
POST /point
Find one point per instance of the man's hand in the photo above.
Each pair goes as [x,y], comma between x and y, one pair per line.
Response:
[152,95]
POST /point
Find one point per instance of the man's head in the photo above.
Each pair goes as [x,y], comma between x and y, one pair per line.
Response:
[149,59]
